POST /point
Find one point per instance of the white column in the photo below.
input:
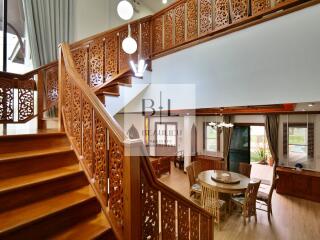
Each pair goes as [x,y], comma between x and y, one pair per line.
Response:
[188,121]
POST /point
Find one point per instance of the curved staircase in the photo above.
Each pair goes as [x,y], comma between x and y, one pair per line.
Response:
[44,194]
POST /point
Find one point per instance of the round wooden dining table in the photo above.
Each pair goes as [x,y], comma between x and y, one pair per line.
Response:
[219,181]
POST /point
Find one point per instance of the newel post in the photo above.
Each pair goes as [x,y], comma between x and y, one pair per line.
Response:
[61,77]
[40,86]
[132,190]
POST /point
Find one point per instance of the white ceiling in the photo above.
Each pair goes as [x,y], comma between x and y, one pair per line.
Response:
[155,5]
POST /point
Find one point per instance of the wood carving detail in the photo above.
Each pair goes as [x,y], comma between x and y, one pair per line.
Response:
[26,99]
[194,225]
[204,228]
[67,100]
[6,101]
[76,117]
[96,52]
[80,57]
[116,158]
[111,62]
[221,13]
[145,40]
[150,210]
[192,19]
[168,29]
[157,35]
[87,125]
[183,222]
[205,8]
[239,9]
[179,24]
[168,224]
[258,6]
[52,87]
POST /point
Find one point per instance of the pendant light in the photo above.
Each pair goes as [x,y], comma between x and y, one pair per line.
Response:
[141,66]
[129,45]
[125,10]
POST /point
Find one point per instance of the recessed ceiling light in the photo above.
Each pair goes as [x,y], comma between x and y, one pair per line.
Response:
[125,10]
[310,105]
[164,1]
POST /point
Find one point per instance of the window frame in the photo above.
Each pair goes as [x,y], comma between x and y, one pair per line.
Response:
[204,138]
[166,141]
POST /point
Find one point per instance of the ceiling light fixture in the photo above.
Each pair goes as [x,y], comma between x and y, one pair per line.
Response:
[125,10]
[141,66]
[164,1]
[129,45]
[310,105]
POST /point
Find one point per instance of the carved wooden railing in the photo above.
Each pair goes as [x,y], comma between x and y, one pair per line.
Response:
[136,203]
[189,22]
[17,92]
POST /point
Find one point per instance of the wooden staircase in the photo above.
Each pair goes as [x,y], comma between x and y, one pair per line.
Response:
[44,194]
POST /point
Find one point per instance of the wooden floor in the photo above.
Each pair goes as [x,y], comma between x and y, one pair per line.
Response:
[293,218]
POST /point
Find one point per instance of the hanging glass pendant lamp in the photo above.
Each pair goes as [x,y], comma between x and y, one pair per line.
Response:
[125,10]
[129,45]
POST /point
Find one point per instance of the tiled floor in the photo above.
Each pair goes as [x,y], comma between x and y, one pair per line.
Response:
[293,218]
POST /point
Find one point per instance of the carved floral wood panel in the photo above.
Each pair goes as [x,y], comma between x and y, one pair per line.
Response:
[145,40]
[204,228]
[150,210]
[205,12]
[157,35]
[111,59]
[168,224]
[87,125]
[25,99]
[76,118]
[80,57]
[239,9]
[96,52]
[221,10]
[67,100]
[183,222]
[168,29]
[277,2]
[192,19]
[179,22]
[258,6]
[6,100]
[194,225]
[52,87]
[116,158]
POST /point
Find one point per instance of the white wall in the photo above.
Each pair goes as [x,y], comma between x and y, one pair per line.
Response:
[274,62]
[95,16]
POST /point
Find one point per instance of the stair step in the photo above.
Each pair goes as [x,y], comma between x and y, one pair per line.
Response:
[23,163]
[29,142]
[44,218]
[92,228]
[110,90]
[15,192]
[124,81]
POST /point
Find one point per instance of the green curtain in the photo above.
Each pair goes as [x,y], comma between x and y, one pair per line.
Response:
[227,133]
[272,133]
[49,23]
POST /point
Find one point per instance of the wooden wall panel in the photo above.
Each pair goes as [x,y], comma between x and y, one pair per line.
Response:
[221,10]
[111,59]
[192,19]
[145,40]
[239,9]
[205,11]
[258,6]
[157,35]
[168,29]
[179,22]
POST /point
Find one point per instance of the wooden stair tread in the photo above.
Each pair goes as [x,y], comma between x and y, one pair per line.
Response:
[89,229]
[33,153]
[19,217]
[26,180]
[38,133]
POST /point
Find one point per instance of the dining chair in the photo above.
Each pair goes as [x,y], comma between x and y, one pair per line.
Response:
[197,168]
[245,169]
[248,202]
[218,165]
[210,201]
[195,188]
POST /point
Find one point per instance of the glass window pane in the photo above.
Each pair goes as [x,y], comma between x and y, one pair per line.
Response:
[259,149]
[211,139]
[171,134]
[212,145]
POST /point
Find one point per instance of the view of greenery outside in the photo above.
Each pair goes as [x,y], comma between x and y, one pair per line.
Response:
[259,149]
[211,139]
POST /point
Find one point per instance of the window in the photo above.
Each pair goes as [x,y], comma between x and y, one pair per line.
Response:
[166,134]
[259,149]
[210,138]
[298,144]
